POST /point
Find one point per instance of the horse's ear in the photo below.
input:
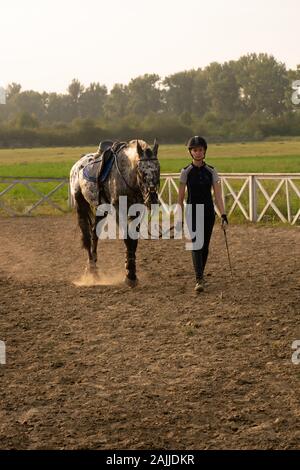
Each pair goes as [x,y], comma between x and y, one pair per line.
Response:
[155,147]
[139,148]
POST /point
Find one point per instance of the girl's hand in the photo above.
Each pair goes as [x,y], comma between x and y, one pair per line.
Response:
[224,221]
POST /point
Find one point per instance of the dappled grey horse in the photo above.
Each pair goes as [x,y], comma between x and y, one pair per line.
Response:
[135,173]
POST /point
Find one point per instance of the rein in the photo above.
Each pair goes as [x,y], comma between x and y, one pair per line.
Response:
[119,171]
[161,233]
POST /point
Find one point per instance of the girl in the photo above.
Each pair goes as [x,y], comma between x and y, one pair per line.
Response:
[200,178]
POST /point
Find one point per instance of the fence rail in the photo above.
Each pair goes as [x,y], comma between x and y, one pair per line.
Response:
[255,196]
[27,183]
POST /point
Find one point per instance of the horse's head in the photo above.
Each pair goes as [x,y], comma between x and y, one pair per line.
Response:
[148,171]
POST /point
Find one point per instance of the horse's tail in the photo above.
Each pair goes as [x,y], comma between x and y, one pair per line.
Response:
[85,219]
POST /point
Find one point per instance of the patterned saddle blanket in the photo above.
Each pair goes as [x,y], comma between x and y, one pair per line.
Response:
[99,169]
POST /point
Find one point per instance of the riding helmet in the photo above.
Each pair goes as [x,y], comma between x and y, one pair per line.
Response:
[197,141]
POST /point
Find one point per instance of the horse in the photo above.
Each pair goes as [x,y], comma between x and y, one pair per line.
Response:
[135,173]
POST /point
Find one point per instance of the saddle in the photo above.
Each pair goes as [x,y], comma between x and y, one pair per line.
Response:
[98,170]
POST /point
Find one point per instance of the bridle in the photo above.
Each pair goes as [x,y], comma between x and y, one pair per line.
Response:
[141,160]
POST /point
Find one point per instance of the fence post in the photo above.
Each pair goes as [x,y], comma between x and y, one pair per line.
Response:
[223,194]
[252,198]
[288,204]
[70,198]
[170,192]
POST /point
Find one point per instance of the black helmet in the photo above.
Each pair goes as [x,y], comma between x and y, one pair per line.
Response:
[197,141]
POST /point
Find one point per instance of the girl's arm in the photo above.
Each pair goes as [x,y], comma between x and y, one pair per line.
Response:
[181,194]
[219,201]
[180,200]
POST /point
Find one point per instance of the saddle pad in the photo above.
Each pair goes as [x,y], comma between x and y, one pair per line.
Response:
[91,171]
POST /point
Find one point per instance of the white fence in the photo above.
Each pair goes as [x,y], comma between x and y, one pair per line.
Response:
[255,196]
[8,202]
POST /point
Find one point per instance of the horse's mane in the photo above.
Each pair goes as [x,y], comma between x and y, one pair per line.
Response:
[131,150]
[143,144]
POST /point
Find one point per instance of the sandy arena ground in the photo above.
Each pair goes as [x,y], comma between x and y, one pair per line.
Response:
[158,366]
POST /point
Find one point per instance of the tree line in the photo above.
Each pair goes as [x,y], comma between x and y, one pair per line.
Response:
[249,98]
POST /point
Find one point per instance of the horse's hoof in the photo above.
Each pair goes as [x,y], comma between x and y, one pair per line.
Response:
[95,275]
[91,272]
[86,270]
[131,282]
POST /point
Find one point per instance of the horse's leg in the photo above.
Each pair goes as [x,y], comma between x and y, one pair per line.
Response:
[130,264]
[85,221]
[94,241]
[95,238]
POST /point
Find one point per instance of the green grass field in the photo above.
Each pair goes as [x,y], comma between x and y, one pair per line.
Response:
[261,157]
[258,157]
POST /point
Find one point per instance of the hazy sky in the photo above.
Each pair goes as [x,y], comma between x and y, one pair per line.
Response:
[44,44]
